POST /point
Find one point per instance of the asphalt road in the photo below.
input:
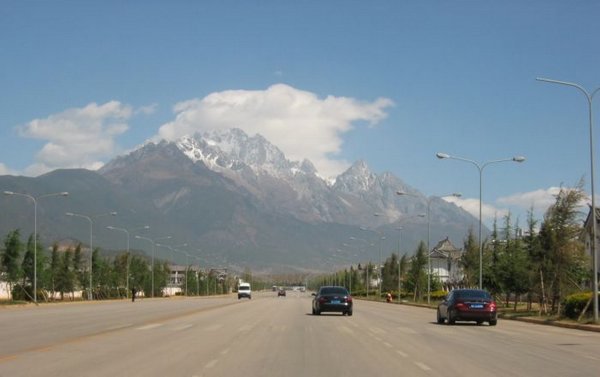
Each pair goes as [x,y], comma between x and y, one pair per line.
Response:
[271,336]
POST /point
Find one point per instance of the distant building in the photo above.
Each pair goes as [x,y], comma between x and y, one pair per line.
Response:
[445,264]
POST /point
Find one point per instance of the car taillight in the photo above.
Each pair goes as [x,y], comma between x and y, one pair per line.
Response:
[348,299]
[492,306]
[460,305]
[322,300]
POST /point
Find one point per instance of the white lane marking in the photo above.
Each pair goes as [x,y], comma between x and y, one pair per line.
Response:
[422,366]
[118,327]
[214,327]
[182,327]
[406,330]
[388,345]
[211,364]
[401,353]
[151,326]
[225,351]
[345,329]
[377,330]
[591,357]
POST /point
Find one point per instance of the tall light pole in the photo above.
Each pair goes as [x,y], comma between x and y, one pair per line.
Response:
[590,97]
[480,167]
[153,242]
[90,296]
[10,193]
[127,261]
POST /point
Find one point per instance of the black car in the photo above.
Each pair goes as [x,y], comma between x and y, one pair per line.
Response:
[332,299]
[467,305]
[281,292]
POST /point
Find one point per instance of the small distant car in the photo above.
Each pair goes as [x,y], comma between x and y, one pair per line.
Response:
[332,299]
[281,292]
[468,305]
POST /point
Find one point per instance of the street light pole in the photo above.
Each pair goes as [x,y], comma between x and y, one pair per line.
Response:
[35,231]
[480,167]
[590,97]
[90,296]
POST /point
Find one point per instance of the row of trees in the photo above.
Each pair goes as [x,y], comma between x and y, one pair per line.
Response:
[544,265]
[62,273]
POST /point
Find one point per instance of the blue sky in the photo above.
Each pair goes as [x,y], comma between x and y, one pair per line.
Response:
[389,82]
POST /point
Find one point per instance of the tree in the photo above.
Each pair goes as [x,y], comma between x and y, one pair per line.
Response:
[10,258]
[54,268]
[512,273]
[559,238]
[470,260]
[417,273]
[29,273]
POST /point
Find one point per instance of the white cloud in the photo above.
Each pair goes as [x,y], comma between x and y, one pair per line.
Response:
[488,211]
[147,110]
[78,137]
[540,199]
[300,123]
[4,170]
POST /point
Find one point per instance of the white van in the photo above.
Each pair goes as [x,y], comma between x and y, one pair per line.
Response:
[244,290]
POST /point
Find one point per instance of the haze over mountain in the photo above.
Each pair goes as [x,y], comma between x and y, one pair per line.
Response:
[237,201]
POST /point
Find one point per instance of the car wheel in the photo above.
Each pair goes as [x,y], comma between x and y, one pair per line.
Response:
[479,323]
[314,311]
[349,313]
[493,322]
[440,319]
[317,312]
[451,319]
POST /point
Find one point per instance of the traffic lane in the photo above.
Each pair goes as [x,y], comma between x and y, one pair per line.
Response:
[266,336]
[511,348]
[28,328]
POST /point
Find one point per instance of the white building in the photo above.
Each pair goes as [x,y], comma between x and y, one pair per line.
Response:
[445,264]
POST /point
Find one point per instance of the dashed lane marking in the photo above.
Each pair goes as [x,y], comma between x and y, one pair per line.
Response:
[150,326]
[422,366]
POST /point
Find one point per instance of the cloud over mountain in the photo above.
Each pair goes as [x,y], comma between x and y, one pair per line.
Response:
[300,123]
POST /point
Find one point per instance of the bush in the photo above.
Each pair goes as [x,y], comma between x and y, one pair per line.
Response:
[438,295]
[574,304]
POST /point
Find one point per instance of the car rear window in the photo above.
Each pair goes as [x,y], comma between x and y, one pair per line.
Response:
[243,288]
[334,291]
[473,294]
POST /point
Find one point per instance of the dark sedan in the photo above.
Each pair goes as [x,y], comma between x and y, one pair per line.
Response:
[467,305]
[332,299]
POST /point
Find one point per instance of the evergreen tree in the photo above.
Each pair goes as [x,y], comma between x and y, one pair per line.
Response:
[470,260]
[417,273]
[10,258]
[54,268]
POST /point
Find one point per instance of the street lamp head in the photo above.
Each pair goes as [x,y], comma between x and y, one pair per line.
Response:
[518,159]
[113,213]
[110,227]
[70,214]
[441,155]
[8,193]
[64,193]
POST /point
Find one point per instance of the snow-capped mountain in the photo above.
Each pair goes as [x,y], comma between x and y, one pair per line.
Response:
[236,192]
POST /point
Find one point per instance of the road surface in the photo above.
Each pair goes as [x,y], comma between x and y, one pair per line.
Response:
[277,336]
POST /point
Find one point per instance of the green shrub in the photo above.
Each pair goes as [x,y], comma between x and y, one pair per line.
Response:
[438,295]
[574,304]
